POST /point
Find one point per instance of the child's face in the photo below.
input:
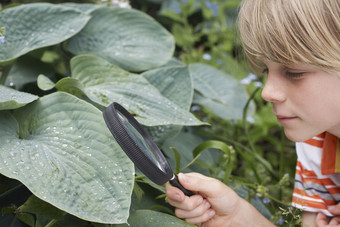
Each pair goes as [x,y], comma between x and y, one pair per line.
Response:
[306,99]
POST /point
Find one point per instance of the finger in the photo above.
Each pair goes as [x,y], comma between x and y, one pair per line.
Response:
[210,187]
[335,209]
[188,204]
[321,219]
[173,194]
[213,190]
[191,213]
[335,221]
[203,218]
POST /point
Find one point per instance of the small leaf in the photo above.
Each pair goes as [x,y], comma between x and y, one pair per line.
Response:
[25,70]
[37,206]
[26,218]
[13,99]
[44,83]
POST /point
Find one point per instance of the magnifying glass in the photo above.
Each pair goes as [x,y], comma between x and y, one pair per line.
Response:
[139,146]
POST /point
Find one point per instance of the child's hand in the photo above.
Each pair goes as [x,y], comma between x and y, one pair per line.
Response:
[323,221]
[215,204]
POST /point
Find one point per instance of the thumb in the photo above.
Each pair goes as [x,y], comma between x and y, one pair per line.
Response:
[335,209]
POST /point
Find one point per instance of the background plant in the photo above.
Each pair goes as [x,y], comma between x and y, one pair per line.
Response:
[176,65]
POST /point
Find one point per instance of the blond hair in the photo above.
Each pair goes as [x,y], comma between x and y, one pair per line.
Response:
[291,31]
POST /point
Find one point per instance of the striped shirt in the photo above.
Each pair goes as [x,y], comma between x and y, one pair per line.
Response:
[317,177]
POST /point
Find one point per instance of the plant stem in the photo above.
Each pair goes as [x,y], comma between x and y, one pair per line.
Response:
[245,125]
[281,169]
[51,223]
[4,73]
[11,190]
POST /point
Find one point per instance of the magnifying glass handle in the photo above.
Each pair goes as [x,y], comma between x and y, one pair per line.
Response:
[175,182]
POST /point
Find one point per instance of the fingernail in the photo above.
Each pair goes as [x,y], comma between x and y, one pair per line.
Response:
[331,208]
[183,178]
[211,213]
[177,197]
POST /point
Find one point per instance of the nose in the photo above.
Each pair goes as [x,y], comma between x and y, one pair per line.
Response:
[273,90]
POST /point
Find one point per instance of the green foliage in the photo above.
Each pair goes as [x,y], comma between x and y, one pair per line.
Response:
[176,65]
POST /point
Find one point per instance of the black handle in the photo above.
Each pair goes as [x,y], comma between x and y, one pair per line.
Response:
[175,182]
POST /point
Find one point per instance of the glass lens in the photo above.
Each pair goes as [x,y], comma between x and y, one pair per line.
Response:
[140,141]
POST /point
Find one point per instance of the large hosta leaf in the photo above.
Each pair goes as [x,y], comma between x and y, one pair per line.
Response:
[125,37]
[217,91]
[61,149]
[32,26]
[150,218]
[174,83]
[105,83]
[13,99]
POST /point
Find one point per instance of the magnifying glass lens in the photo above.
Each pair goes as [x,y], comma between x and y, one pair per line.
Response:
[139,146]
[140,141]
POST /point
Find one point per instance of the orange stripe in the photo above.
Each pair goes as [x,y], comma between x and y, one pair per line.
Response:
[303,193]
[329,154]
[311,177]
[334,190]
[309,203]
[308,173]
[315,143]
[337,158]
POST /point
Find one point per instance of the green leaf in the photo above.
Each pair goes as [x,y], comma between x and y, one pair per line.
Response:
[85,7]
[220,146]
[105,83]
[37,206]
[36,25]
[44,83]
[126,37]
[60,148]
[217,91]
[25,70]
[174,83]
[27,219]
[185,142]
[13,99]
[149,218]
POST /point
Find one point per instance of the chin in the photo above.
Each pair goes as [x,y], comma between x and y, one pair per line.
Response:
[297,137]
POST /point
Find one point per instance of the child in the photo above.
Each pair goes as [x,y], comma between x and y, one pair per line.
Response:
[297,44]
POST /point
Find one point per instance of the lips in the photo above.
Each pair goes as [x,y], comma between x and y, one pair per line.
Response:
[284,119]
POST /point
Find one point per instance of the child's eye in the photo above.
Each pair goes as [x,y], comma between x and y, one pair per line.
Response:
[294,75]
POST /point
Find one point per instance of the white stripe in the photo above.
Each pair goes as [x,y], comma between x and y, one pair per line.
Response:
[318,138]
[311,209]
[331,186]
[308,198]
